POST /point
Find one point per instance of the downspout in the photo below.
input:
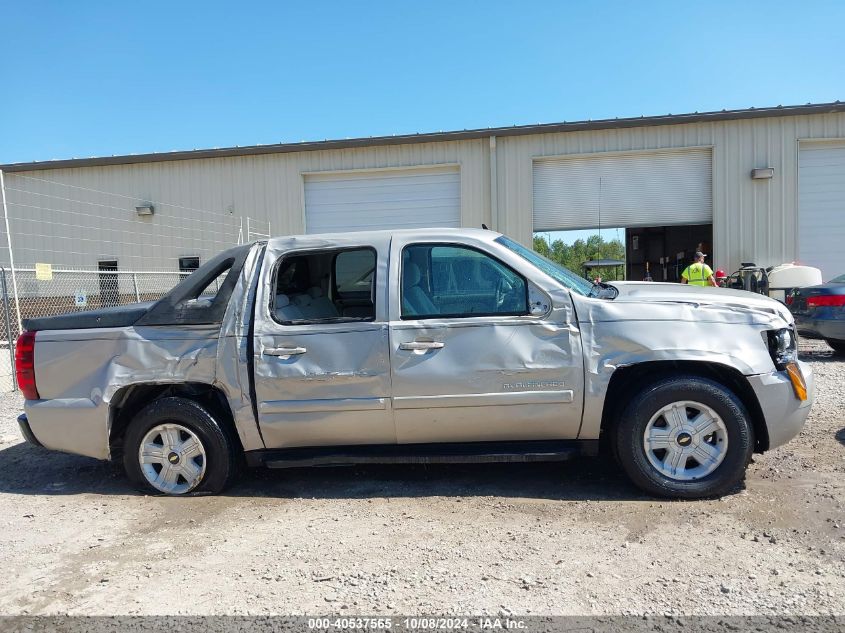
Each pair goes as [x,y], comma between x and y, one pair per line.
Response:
[494,188]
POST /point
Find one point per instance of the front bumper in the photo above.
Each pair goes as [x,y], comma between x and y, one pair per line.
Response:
[784,413]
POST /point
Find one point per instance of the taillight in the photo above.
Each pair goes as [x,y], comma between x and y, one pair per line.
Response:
[826,301]
[25,365]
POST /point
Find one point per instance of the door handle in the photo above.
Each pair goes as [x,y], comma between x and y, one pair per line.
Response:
[421,346]
[284,352]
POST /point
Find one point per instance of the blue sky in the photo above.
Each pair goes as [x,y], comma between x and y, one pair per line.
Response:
[100,78]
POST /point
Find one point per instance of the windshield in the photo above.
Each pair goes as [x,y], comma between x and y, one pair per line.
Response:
[552,269]
[838,280]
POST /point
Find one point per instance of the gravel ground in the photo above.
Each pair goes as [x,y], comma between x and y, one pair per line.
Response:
[573,538]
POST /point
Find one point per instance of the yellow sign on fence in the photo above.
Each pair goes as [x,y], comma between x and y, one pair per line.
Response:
[44,272]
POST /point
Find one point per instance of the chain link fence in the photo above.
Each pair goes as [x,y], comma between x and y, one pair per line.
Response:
[66,290]
[68,246]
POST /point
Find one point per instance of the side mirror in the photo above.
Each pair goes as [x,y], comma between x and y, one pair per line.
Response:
[538,308]
[538,303]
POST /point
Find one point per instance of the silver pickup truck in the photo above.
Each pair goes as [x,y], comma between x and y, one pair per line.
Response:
[439,345]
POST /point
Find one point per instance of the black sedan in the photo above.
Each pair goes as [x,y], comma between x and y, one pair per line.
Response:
[820,312]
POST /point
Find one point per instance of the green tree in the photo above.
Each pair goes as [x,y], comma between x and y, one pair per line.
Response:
[541,246]
[574,255]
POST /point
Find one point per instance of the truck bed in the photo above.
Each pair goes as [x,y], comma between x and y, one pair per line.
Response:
[117,316]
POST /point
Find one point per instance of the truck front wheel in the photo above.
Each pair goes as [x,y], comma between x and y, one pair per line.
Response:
[174,446]
[685,437]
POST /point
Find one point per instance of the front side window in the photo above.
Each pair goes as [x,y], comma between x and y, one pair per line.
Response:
[458,281]
[331,286]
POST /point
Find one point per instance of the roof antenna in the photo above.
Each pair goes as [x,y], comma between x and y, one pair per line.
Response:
[484,226]
[599,243]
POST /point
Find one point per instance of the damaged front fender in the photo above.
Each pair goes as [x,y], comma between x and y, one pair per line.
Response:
[626,333]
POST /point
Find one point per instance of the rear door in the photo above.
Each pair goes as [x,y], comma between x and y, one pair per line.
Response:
[469,360]
[321,351]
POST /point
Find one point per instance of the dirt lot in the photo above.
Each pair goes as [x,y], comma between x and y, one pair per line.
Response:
[571,538]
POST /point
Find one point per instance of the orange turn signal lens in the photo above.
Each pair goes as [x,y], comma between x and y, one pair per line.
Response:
[799,385]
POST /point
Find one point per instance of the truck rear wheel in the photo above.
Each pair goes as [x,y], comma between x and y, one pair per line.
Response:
[685,437]
[174,446]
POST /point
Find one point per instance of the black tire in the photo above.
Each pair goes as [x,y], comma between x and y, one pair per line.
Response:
[629,447]
[838,346]
[221,463]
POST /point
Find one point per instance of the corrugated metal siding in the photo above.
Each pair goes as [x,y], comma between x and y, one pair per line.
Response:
[199,203]
[753,220]
[756,220]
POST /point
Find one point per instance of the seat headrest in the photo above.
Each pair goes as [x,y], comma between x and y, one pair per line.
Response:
[302,300]
[411,274]
[282,301]
[315,291]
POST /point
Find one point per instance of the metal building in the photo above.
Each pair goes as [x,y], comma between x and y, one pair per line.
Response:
[762,185]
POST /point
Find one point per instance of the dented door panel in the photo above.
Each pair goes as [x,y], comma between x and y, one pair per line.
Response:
[486,378]
[335,392]
[492,380]
[321,384]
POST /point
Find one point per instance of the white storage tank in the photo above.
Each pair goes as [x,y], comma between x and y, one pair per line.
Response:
[783,278]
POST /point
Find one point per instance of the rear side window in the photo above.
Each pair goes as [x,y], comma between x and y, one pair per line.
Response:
[330,286]
[354,272]
[458,281]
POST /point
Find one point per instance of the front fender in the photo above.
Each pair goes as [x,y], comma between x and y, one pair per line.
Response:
[609,346]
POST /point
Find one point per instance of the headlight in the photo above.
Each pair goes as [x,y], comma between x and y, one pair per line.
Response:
[783,347]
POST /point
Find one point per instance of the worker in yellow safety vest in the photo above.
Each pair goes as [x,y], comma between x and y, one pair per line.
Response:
[698,273]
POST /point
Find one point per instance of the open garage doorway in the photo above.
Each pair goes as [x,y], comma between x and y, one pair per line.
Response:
[662,252]
[653,253]
[662,198]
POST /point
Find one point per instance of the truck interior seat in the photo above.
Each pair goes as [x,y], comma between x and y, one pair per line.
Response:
[415,299]
[285,310]
[321,304]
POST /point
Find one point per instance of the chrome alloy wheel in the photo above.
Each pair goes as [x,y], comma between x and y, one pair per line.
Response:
[172,459]
[685,440]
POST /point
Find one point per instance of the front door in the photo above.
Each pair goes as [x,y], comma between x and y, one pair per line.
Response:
[470,362]
[322,374]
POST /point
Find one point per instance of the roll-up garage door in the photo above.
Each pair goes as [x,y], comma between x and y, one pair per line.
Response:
[390,199]
[821,207]
[632,189]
